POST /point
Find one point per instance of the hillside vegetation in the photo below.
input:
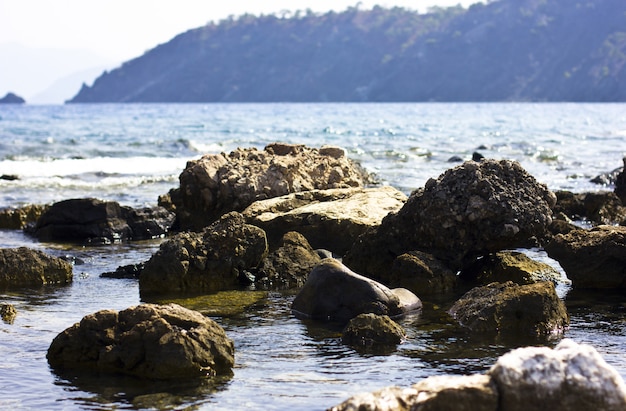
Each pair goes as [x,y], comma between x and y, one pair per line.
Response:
[506,50]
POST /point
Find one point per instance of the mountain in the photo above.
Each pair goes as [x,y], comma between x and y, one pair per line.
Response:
[30,70]
[505,50]
[65,87]
[12,98]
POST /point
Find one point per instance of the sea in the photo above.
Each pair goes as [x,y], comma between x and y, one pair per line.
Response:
[133,153]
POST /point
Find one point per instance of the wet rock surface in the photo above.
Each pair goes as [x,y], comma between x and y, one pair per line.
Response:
[219,183]
[334,293]
[24,267]
[420,273]
[508,308]
[594,258]
[90,220]
[20,218]
[147,341]
[603,207]
[219,258]
[469,211]
[8,313]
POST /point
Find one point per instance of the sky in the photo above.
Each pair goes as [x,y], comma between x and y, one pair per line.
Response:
[43,41]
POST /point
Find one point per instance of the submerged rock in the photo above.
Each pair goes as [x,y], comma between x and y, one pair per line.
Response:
[95,221]
[372,331]
[331,219]
[571,377]
[469,211]
[219,258]
[23,267]
[219,183]
[147,341]
[8,313]
[593,258]
[334,293]
[511,309]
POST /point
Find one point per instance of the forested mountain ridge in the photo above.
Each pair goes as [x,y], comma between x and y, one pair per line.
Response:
[521,50]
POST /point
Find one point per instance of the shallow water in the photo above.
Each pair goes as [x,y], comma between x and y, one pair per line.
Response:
[133,153]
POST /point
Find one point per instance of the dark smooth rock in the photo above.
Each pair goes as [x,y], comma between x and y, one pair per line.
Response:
[334,293]
[147,341]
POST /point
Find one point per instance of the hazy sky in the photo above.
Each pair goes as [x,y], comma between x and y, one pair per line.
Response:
[118,30]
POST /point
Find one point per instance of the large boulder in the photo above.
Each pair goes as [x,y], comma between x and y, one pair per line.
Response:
[593,258]
[469,211]
[289,265]
[24,267]
[218,183]
[508,309]
[570,377]
[513,266]
[334,293]
[331,219]
[95,221]
[147,341]
[218,258]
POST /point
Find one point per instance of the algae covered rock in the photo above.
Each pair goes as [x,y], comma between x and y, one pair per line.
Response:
[219,258]
[24,267]
[372,331]
[511,309]
[147,341]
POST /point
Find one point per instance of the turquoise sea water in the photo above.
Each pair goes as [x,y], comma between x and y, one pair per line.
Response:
[134,153]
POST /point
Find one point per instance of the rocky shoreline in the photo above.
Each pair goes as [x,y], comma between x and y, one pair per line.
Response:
[359,255]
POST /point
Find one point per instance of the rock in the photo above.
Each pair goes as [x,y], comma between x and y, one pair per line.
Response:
[218,183]
[11,98]
[8,313]
[19,218]
[471,210]
[23,267]
[513,266]
[603,207]
[372,331]
[437,393]
[9,177]
[620,183]
[147,341]
[334,293]
[421,273]
[218,258]
[289,265]
[130,271]
[593,258]
[509,309]
[331,219]
[570,377]
[94,221]
[608,178]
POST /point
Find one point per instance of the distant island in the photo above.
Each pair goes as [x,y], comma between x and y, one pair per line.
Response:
[504,50]
[11,98]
